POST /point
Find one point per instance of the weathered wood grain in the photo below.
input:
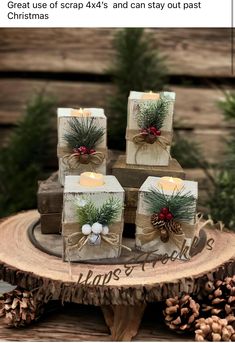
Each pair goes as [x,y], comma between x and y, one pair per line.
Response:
[134,175]
[194,107]
[212,143]
[186,51]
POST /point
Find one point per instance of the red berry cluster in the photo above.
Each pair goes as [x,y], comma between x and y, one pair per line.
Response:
[165,214]
[82,150]
[151,131]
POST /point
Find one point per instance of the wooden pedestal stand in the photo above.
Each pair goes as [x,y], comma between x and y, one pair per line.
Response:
[122,298]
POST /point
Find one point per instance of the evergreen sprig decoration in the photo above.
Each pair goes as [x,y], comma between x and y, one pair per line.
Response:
[84,132]
[181,205]
[153,114]
[88,213]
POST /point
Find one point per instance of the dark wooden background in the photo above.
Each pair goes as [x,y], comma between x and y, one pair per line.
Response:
[71,65]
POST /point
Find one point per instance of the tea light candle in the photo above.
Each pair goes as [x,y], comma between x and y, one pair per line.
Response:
[167,183]
[81,113]
[150,96]
[89,179]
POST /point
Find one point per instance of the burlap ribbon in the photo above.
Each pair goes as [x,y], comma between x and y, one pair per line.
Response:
[149,233]
[72,159]
[77,240]
[135,136]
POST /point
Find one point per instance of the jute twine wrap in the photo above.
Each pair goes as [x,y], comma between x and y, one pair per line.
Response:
[147,233]
[73,162]
[75,239]
[135,136]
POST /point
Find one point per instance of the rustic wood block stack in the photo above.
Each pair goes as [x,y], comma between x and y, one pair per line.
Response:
[149,136]
[50,204]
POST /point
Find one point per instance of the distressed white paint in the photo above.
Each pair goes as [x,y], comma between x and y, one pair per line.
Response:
[152,155]
[63,117]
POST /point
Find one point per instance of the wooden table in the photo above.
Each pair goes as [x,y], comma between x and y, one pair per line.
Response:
[122,299]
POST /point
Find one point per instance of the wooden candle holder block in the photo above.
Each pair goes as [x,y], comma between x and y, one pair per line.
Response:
[63,116]
[148,237]
[109,245]
[148,154]
[134,175]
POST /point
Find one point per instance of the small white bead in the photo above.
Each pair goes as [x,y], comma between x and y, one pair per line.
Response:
[105,230]
[86,229]
[96,228]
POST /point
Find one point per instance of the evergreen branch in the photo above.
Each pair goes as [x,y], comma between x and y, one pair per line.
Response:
[83,132]
[182,206]
[153,113]
[109,211]
[88,213]
[23,160]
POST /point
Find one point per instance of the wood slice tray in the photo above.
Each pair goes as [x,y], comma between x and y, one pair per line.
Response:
[22,263]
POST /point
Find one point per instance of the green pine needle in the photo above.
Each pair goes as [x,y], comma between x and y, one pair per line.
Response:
[83,132]
[153,113]
[105,215]
[182,206]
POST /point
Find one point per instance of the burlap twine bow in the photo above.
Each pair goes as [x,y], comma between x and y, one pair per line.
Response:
[147,233]
[73,161]
[77,240]
[137,137]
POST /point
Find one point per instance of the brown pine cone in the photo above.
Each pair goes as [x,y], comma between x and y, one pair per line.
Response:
[181,313]
[221,301]
[84,159]
[214,329]
[19,308]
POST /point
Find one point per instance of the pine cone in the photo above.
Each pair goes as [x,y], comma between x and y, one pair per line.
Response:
[160,225]
[19,308]
[165,227]
[214,329]
[181,313]
[221,301]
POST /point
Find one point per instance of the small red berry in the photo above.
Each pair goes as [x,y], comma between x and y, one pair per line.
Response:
[165,210]
[83,150]
[161,216]
[92,151]
[158,133]
[169,216]
[153,130]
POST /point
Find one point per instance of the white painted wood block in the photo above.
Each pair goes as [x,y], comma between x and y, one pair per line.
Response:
[63,117]
[142,209]
[74,192]
[150,154]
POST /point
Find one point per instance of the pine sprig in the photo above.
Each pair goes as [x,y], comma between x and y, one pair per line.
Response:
[83,132]
[88,213]
[109,211]
[153,113]
[182,206]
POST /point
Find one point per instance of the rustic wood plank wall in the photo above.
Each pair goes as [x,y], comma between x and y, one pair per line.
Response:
[71,65]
